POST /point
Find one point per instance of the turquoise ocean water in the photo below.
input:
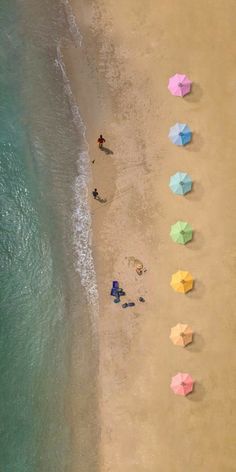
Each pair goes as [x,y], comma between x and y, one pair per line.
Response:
[48,363]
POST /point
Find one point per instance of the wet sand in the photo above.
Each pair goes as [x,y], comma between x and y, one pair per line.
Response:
[120,76]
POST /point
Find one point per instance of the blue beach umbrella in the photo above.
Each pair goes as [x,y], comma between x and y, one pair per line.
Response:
[180,134]
[180,183]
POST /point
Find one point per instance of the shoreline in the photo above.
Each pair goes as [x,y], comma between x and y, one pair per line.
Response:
[61,149]
[119,78]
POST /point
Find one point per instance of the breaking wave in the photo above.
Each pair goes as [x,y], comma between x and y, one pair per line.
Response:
[81,215]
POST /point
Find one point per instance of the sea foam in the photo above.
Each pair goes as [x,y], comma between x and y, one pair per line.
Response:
[71,20]
[81,216]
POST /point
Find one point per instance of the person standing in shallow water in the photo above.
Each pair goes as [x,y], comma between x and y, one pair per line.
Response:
[100,141]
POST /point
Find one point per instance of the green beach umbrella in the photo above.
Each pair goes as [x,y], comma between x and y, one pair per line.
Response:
[181,232]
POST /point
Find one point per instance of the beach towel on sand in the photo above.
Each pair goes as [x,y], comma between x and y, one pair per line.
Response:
[115,284]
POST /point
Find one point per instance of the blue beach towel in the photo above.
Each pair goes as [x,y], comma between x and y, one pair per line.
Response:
[115,284]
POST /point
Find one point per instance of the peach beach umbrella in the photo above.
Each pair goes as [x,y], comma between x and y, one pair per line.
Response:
[182,281]
[179,85]
[182,384]
[181,335]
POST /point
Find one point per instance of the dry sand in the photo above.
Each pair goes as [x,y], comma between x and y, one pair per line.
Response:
[120,76]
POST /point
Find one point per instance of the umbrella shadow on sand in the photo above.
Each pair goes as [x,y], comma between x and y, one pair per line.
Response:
[196,143]
[196,193]
[195,95]
[197,241]
[197,345]
[197,291]
[198,393]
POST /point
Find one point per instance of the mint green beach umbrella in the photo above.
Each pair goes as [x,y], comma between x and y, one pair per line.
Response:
[181,232]
[180,183]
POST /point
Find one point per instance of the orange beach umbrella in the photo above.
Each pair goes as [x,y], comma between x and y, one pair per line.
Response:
[181,335]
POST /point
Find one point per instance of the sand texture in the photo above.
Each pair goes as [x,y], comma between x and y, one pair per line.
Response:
[120,76]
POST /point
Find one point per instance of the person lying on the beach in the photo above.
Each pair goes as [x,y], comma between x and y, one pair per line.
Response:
[139,270]
[100,141]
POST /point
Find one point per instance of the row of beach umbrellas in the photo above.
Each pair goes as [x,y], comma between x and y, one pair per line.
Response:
[181,232]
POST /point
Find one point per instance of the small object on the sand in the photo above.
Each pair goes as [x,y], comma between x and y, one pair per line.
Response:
[117,292]
[100,141]
[95,194]
[93,161]
[139,271]
[125,305]
[137,264]
[141,299]
[115,288]
[116,300]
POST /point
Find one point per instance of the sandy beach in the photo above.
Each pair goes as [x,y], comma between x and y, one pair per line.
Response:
[119,77]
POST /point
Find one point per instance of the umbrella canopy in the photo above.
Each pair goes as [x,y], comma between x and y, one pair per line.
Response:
[180,134]
[181,232]
[182,384]
[182,281]
[179,85]
[180,183]
[181,335]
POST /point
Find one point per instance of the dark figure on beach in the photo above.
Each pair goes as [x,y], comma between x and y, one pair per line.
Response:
[95,194]
[100,141]
[141,299]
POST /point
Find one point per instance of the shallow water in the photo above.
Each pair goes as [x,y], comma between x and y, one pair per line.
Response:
[45,322]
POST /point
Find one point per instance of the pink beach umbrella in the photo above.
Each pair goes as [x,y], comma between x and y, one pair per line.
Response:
[179,85]
[182,384]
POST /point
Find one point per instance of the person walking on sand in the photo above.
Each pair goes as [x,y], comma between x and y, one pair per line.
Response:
[95,194]
[100,141]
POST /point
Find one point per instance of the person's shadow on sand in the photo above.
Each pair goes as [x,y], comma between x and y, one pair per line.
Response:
[101,200]
[107,151]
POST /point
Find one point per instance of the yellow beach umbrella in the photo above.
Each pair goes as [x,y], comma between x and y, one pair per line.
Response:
[182,281]
[181,335]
